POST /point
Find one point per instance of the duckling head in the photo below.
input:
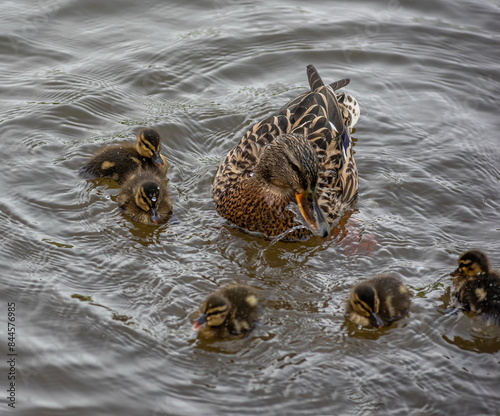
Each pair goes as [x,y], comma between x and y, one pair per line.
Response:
[365,301]
[146,198]
[472,263]
[290,167]
[149,145]
[214,312]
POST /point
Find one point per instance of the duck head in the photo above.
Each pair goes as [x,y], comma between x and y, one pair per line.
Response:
[149,145]
[472,263]
[290,167]
[146,198]
[214,312]
[365,301]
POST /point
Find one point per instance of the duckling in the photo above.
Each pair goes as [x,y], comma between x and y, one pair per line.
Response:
[378,301]
[477,287]
[145,198]
[118,160]
[230,312]
[293,174]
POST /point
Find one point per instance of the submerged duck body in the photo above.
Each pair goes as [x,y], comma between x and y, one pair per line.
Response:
[117,161]
[293,174]
[229,313]
[378,301]
[144,197]
[477,286]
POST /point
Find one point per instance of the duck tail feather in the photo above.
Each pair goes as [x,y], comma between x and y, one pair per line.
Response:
[315,80]
[337,85]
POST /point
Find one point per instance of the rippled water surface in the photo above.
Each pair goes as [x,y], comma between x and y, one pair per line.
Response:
[102,305]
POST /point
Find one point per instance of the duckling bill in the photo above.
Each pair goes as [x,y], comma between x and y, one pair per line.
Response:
[119,160]
[378,301]
[229,313]
[144,197]
[477,286]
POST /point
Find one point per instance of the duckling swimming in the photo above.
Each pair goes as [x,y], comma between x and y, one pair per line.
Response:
[230,312]
[378,301]
[145,198]
[118,160]
[293,172]
[477,287]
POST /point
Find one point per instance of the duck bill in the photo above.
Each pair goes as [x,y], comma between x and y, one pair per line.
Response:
[456,273]
[157,159]
[376,320]
[199,322]
[153,215]
[311,212]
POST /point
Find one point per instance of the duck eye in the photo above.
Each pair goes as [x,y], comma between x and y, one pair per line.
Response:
[295,168]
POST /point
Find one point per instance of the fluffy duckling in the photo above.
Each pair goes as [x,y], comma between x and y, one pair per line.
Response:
[144,197]
[378,301]
[293,174]
[477,287]
[118,160]
[230,312]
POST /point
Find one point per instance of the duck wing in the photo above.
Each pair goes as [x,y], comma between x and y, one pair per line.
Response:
[319,117]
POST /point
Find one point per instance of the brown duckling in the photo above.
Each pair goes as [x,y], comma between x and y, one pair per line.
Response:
[116,161]
[230,312]
[378,301]
[477,287]
[145,198]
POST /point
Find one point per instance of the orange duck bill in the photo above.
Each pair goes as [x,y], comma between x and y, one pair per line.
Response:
[311,213]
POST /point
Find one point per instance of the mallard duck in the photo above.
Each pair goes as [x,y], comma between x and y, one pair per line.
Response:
[230,312]
[144,197]
[294,173]
[116,161]
[477,287]
[378,301]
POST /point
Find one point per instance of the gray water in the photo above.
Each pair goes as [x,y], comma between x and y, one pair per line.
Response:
[102,305]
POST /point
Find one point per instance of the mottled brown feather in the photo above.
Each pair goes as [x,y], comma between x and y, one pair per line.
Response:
[316,115]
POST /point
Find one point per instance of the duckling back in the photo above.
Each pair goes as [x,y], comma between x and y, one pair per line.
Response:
[246,308]
[395,299]
[481,295]
[119,160]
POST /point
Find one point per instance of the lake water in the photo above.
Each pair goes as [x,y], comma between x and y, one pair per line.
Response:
[102,305]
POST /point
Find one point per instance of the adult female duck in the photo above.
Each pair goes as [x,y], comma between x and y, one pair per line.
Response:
[293,174]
